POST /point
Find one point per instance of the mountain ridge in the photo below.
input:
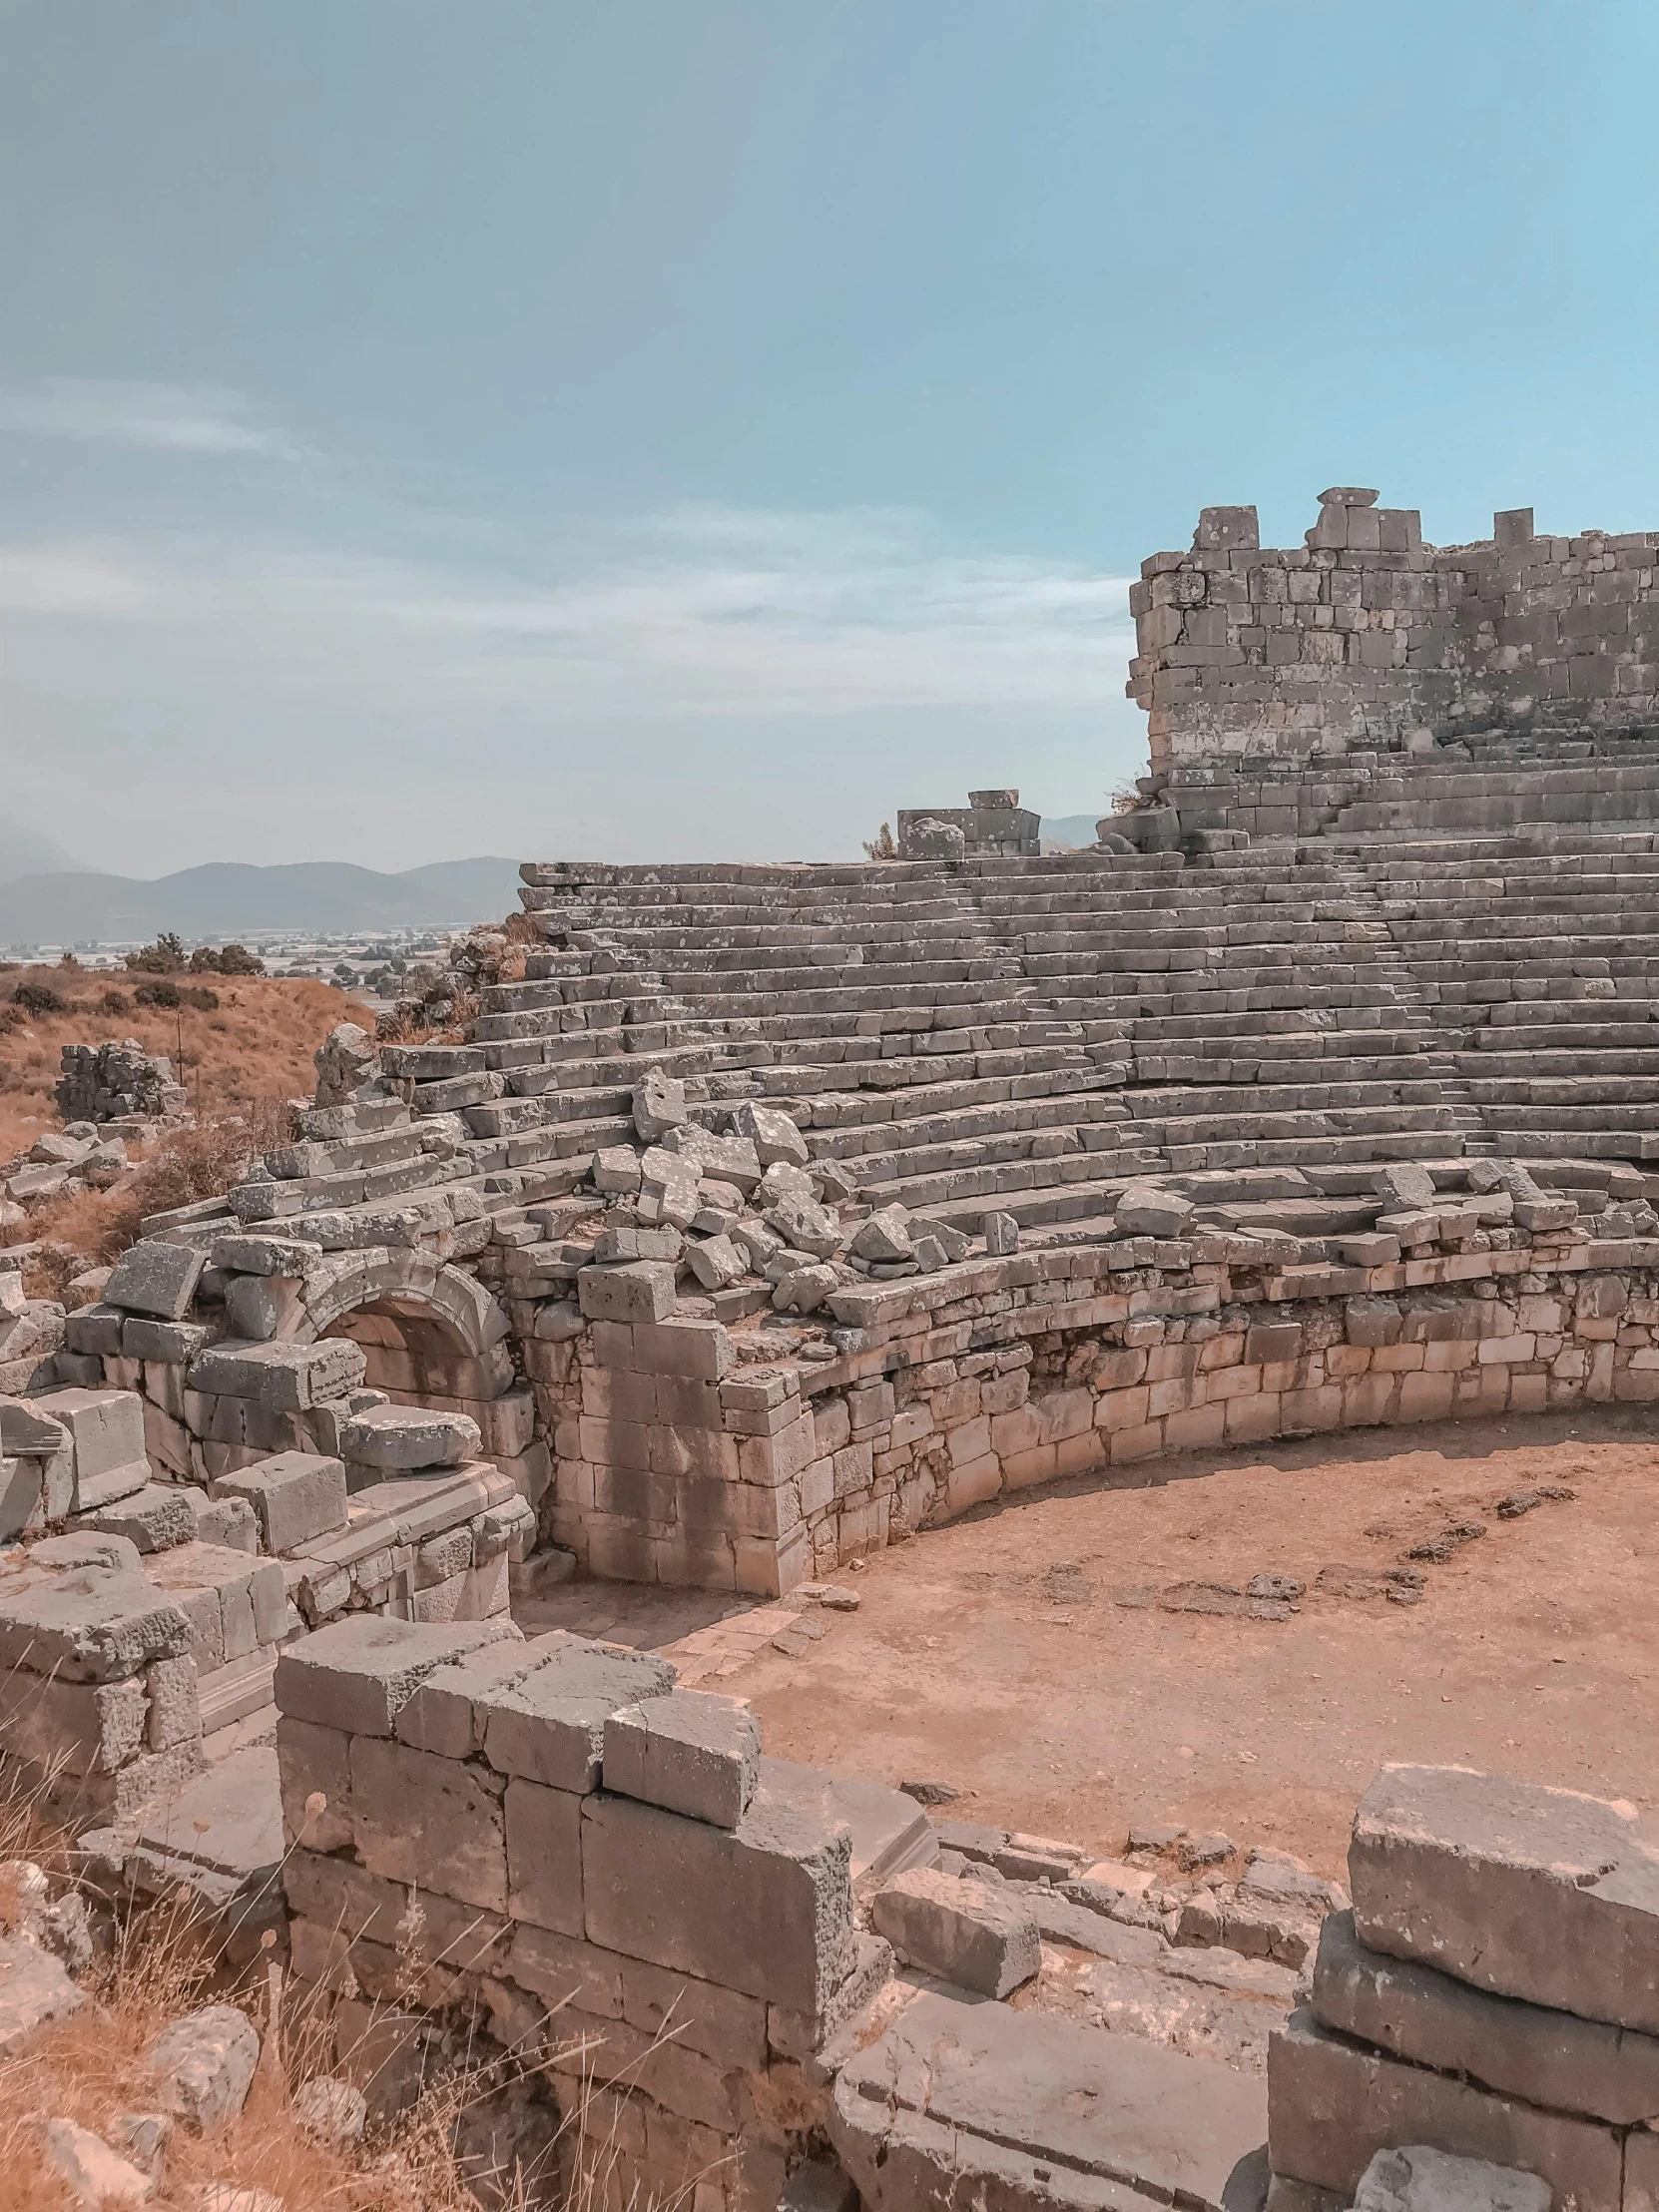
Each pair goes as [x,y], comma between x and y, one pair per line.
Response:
[231,897]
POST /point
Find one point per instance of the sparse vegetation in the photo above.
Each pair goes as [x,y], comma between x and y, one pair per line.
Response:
[882,846]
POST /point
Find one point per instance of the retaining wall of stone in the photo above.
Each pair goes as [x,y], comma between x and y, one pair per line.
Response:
[688,1463]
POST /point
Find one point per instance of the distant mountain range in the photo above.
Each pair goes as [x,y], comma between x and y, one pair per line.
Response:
[226,898]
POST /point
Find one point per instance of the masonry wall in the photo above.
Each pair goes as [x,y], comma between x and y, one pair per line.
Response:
[1001,1373]
[1366,639]
[454,1846]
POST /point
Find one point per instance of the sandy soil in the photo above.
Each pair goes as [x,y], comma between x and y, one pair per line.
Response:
[997,1655]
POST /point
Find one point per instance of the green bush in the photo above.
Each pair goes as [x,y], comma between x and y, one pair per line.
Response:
[37,998]
[155,994]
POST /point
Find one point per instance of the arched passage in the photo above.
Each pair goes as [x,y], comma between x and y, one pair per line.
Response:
[433,1335]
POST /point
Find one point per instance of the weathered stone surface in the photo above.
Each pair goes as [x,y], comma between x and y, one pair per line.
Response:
[90,1625]
[771,1132]
[204,2065]
[434,1822]
[409,1437]
[659,1105]
[356,1675]
[155,1277]
[639,1290]
[1420,2180]
[282,1377]
[687,1750]
[958,2099]
[296,1495]
[970,1932]
[153,1518]
[549,1726]
[764,1908]
[1524,2050]
[1334,2105]
[1530,1892]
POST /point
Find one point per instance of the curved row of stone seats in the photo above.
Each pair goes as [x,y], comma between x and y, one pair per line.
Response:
[1539,969]
[1119,960]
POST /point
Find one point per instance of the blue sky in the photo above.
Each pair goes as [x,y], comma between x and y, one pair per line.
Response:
[666,430]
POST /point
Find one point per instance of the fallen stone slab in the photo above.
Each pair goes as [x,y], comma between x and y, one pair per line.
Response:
[1524,2050]
[154,1518]
[1530,1892]
[1421,2180]
[204,2065]
[396,1438]
[1334,2105]
[283,1378]
[962,2100]
[34,1989]
[155,1277]
[974,1934]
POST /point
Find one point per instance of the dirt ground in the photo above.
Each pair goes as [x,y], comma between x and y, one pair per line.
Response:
[1023,1654]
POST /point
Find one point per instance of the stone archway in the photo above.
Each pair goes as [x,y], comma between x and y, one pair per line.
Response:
[433,1335]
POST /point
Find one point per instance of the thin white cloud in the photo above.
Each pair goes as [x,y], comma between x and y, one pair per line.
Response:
[174,419]
[695,613]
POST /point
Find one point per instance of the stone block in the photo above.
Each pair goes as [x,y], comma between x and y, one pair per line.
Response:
[635,1290]
[313,1763]
[1333,2105]
[406,1438]
[544,1856]
[771,1132]
[764,1908]
[549,1726]
[155,1277]
[81,1728]
[429,1822]
[153,1518]
[282,1377]
[358,1674]
[27,1428]
[687,1750]
[256,1255]
[168,1343]
[296,1495]
[106,1430]
[969,1933]
[90,1625]
[1540,2055]
[1537,1893]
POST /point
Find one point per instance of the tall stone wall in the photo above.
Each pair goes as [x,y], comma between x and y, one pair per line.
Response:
[1366,639]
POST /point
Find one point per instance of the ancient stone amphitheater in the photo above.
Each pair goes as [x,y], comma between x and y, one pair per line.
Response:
[760,1216]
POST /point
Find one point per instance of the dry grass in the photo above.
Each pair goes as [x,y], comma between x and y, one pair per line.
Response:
[159,1964]
[259,1044]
